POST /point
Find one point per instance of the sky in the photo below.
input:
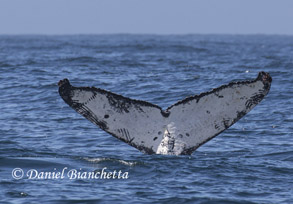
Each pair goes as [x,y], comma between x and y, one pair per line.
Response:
[146,16]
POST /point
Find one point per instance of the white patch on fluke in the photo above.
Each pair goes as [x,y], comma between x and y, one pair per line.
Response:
[181,128]
[172,142]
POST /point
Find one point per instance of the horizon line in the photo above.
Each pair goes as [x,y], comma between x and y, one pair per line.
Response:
[124,33]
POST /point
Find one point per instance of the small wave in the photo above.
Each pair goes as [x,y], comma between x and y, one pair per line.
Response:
[282,156]
[80,59]
[17,194]
[270,57]
[101,160]
[5,65]
[89,201]
[188,48]
[209,200]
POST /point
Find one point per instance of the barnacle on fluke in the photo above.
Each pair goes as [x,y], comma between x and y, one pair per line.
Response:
[181,128]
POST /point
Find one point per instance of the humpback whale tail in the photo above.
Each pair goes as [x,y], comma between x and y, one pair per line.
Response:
[181,128]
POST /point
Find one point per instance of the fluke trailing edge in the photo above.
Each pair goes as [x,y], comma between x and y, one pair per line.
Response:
[181,128]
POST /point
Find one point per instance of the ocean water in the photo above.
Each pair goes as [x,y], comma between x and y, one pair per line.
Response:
[251,162]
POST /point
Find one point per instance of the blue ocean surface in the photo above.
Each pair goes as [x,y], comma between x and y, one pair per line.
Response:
[251,162]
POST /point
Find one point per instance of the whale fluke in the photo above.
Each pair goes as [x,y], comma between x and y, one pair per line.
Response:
[178,130]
